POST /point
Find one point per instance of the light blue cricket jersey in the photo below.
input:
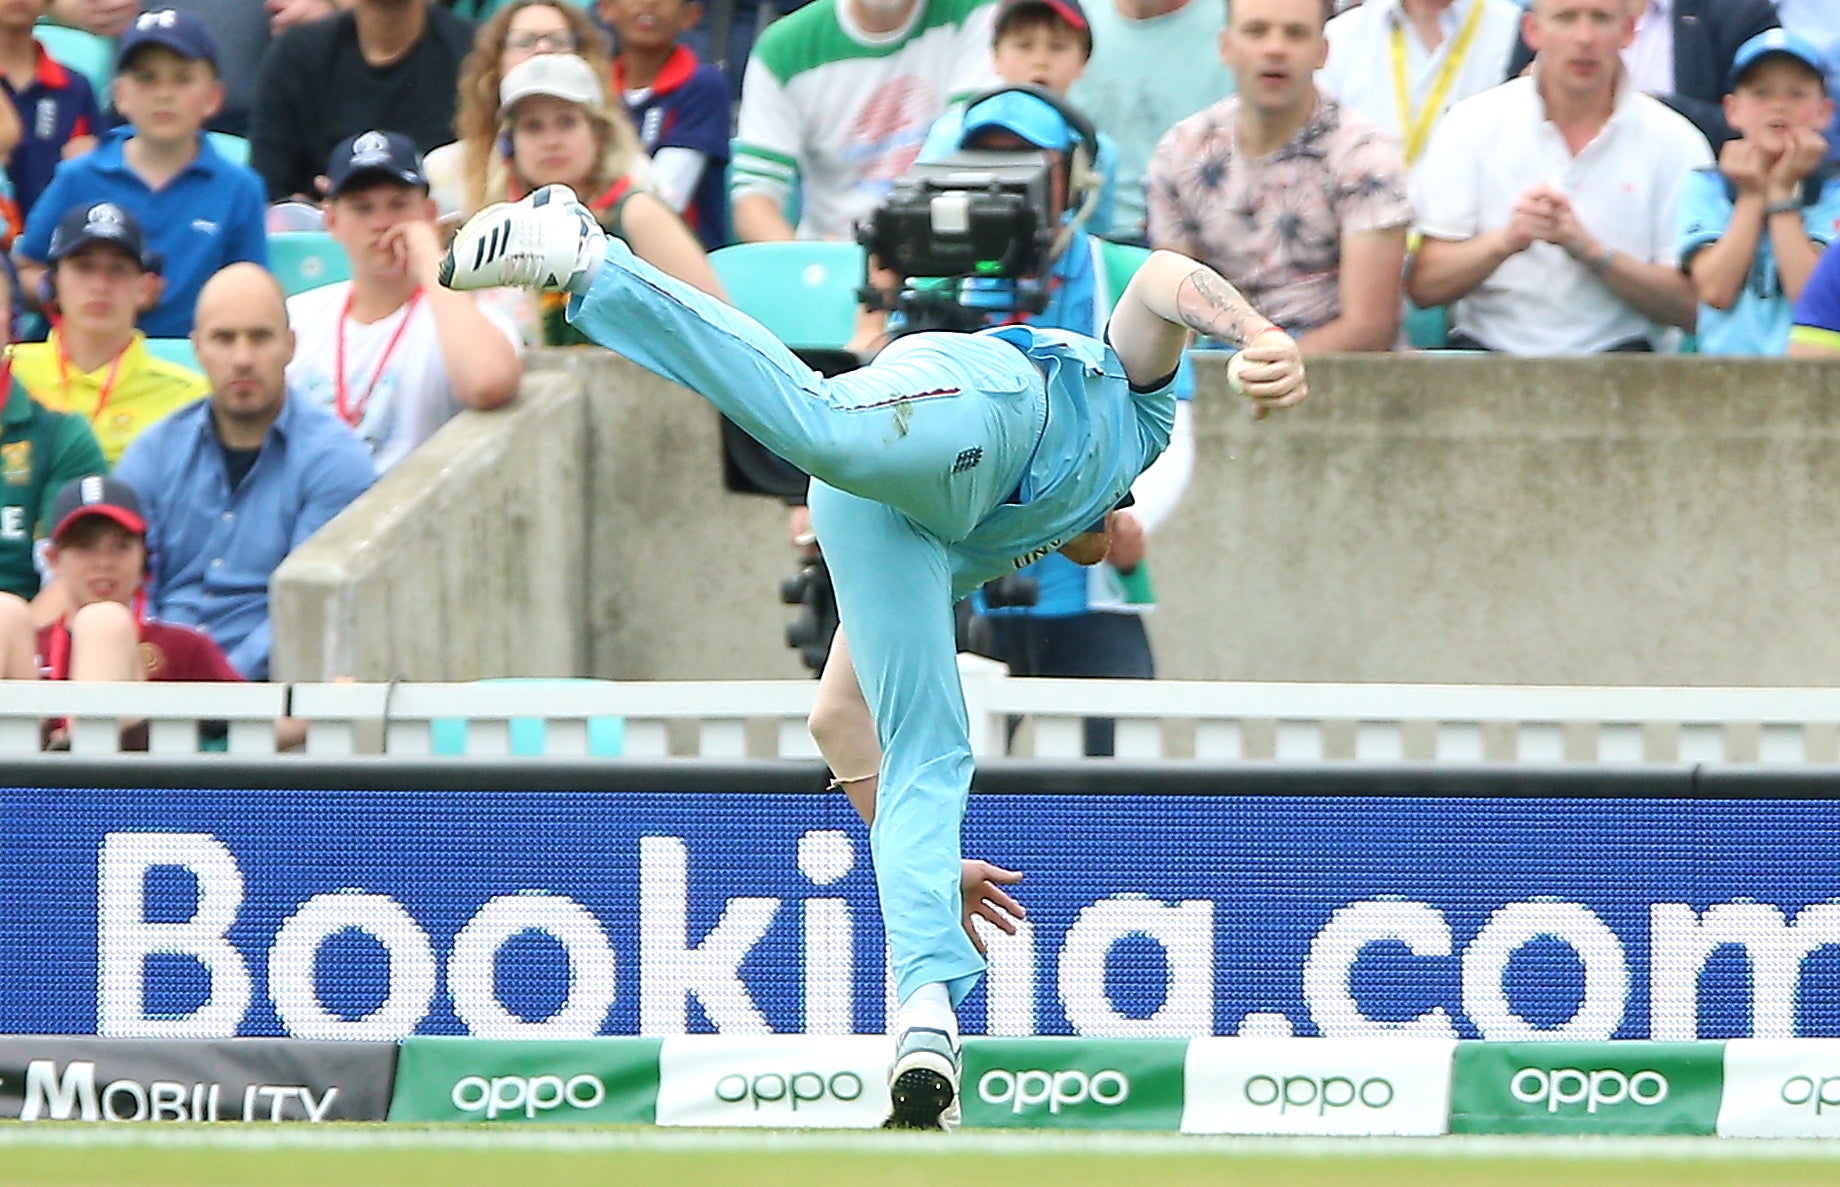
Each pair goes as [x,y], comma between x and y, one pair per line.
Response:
[1758,321]
[1100,435]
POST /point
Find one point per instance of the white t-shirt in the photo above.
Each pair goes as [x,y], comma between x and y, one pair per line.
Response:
[398,401]
[1359,71]
[1625,186]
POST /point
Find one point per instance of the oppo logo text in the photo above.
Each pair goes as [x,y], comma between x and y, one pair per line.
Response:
[1060,1089]
[1596,1088]
[1320,1093]
[529,1095]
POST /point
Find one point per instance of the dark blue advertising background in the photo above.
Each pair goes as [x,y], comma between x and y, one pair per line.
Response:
[1275,868]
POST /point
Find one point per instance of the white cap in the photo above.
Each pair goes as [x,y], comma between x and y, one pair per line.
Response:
[564,76]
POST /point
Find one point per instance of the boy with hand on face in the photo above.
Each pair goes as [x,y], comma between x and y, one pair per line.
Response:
[1047,43]
[201,212]
[1754,226]
[680,106]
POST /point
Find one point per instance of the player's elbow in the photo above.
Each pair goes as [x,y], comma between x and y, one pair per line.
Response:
[491,381]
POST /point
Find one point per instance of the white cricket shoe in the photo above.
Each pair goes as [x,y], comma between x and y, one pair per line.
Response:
[923,1081]
[542,242]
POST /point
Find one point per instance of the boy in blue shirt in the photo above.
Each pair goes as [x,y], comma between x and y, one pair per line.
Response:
[1753,228]
[949,460]
[201,212]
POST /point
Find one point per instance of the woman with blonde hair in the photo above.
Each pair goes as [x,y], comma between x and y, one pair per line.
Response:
[462,174]
[559,130]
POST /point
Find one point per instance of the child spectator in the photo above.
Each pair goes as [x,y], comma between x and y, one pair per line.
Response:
[95,363]
[98,551]
[1754,226]
[680,106]
[390,352]
[200,211]
[1048,43]
[56,107]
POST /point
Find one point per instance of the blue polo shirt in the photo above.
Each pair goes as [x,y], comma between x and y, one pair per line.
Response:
[206,218]
[214,549]
[56,107]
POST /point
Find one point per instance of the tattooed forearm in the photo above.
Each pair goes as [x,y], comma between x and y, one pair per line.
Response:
[1211,306]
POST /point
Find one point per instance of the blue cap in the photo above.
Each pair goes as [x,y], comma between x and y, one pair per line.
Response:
[180,32]
[1029,117]
[1772,42]
[100,222]
[374,154]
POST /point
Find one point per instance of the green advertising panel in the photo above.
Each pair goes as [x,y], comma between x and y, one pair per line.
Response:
[1611,1087]
[1072,1083]
[571,1081]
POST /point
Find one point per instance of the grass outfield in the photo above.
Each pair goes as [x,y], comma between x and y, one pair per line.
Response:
[396,1156]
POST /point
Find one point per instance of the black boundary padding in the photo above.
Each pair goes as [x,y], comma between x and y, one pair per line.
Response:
[1179,777]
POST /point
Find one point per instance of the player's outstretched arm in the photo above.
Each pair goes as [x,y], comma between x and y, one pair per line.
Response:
[1171,295]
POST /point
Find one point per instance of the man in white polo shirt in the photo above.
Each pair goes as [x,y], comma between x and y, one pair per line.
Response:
[1404,63]
[1547,205]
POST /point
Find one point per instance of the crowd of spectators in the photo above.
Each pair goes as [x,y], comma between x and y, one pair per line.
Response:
[1551,176]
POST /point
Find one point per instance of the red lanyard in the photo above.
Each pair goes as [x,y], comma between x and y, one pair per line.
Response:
[108,384]
[347,413]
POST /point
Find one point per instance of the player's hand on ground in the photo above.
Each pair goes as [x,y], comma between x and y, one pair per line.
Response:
[1273,372]
[981,889]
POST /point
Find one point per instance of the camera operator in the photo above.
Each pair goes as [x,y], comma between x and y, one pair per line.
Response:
[1084,621]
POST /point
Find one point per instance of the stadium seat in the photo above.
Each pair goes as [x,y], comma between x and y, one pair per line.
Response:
[606,735]
[89,55]
[1427,329]
[803,291]
[173,350]
[234,149]
[302,260]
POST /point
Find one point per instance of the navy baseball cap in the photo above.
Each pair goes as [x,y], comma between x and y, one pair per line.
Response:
[101,222]
[1775,43]
[94,494]
[180,32]
[374,154]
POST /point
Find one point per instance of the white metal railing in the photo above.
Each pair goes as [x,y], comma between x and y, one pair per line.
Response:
[1209,721]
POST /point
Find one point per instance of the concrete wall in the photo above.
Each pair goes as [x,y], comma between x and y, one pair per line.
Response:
[466,560]
[1421,518]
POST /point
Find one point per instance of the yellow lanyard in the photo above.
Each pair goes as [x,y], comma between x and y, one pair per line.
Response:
[1417,131]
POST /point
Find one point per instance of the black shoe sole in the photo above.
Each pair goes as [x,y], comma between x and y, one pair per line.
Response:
[920,1097]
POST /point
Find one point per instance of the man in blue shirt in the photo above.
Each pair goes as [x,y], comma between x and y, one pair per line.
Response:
[235,482]
[201,212]
[949,460]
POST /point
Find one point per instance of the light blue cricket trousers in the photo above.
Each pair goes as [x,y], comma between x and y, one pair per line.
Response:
[907,456]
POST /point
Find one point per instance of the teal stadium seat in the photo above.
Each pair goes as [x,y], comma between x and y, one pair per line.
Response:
[303,260]
[1427,329]
[234,149]
[173,350]
[89,55]
[606,735]
[803,291]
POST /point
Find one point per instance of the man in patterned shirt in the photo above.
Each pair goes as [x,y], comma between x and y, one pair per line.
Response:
[1298,201]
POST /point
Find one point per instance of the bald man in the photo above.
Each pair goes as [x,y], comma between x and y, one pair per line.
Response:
[234,482]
